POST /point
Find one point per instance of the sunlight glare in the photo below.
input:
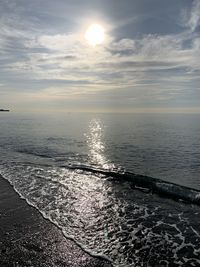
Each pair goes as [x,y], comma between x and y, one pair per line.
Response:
[95,34]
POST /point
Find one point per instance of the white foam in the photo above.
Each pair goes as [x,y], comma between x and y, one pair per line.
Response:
[101,216]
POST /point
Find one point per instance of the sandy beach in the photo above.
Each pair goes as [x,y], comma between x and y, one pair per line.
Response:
[27,239]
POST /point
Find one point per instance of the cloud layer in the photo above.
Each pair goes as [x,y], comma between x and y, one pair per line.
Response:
[48,67]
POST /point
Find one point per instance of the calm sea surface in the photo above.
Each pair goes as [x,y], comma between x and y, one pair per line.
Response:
[102,215]
[163,146]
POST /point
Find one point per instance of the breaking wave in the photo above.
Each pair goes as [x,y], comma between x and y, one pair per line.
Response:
[149,184]
[105,213]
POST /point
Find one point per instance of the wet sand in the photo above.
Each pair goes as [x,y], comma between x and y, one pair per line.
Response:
[27,239]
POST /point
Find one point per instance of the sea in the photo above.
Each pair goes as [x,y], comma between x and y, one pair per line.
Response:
[65,165]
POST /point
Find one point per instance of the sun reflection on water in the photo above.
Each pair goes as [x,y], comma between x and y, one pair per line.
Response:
[96,145]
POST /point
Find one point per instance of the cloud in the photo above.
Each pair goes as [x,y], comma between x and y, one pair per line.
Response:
[68,59]
[194,19]
[191,17]
[59,42]
[143,68]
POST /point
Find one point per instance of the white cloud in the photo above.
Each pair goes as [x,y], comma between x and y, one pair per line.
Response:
[67,67]
[191,17]
[194,19]
[124,44]
[69,60]
[59,42]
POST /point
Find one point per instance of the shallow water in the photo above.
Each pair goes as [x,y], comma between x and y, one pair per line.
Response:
[107,217]
[104,215]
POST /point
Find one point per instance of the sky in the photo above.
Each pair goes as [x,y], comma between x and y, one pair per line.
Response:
[148,62]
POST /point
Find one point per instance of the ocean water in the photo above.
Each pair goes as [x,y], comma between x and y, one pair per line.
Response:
[51,159]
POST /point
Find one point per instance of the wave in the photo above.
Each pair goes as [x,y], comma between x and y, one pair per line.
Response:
[147,184]
[99,211]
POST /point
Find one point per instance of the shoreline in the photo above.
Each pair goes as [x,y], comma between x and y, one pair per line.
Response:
[28,239]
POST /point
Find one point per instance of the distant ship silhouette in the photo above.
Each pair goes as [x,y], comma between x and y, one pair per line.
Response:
[4,110]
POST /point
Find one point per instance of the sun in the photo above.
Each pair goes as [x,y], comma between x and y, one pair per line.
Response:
[95,34]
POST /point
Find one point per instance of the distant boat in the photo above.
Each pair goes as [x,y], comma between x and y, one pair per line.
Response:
[4,110]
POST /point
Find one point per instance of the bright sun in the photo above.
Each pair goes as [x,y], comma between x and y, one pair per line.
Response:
[95,34]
